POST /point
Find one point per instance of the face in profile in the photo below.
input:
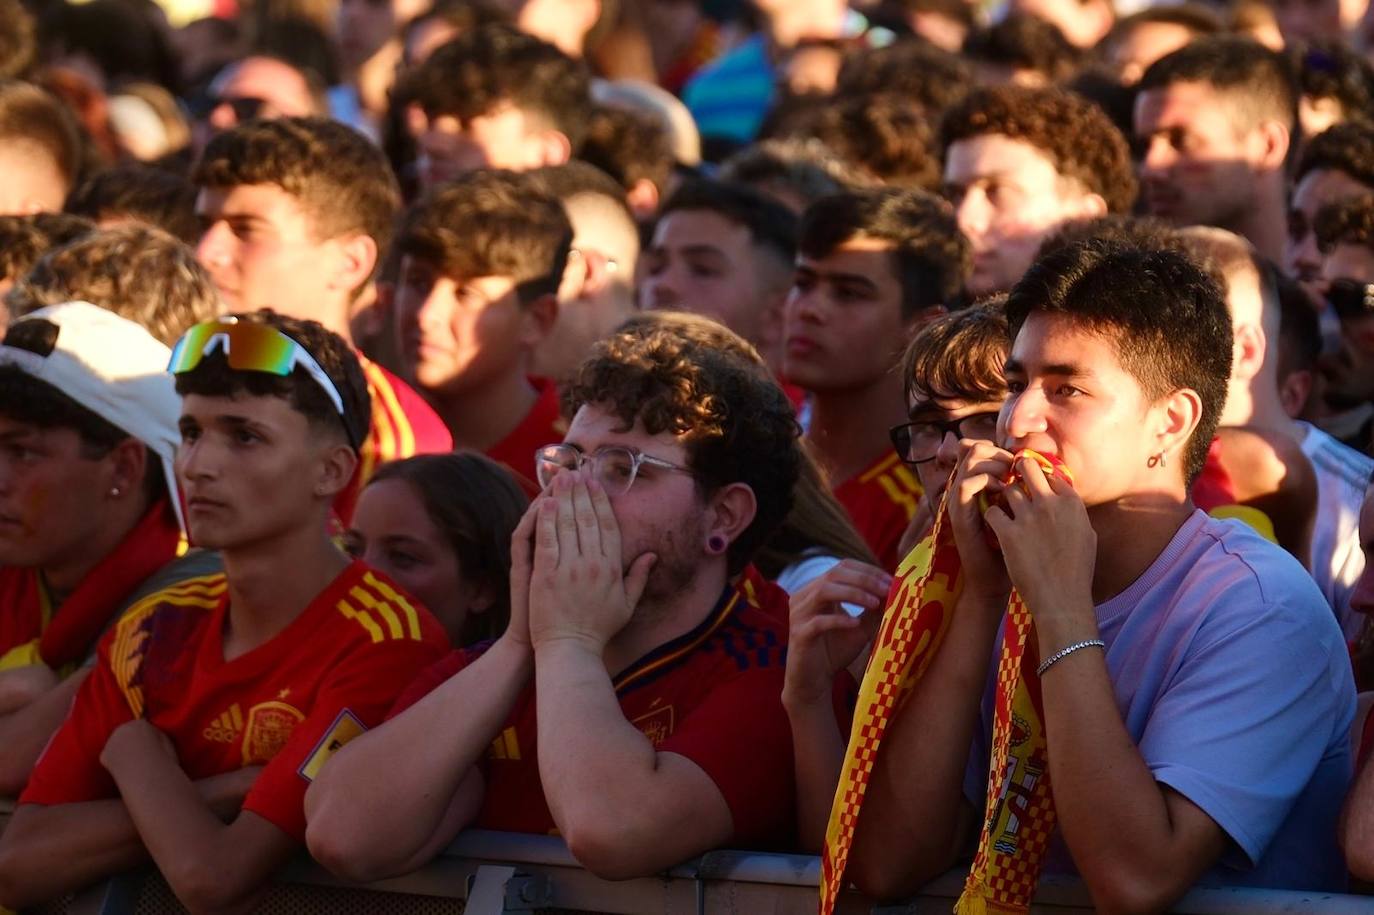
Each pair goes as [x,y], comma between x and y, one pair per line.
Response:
[51,489]
[1348,374]
[393,531]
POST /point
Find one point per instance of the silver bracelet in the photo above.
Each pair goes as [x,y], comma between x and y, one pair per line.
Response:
[1064,652]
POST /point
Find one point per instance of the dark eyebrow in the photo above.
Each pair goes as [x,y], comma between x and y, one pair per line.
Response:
[703,250]
[1065,369]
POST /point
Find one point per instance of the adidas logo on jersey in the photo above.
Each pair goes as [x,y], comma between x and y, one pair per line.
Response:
[227,727]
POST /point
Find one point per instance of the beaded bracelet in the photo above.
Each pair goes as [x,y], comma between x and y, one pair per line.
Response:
[1064,652]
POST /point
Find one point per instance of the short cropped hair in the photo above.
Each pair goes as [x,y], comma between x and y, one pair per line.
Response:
[24,239]
[137,272]
[735,422]
[931,257]
[913,69]
[1140,297]
[771,225]
[1195,17]
[1346,222]
[1258,80]
[142,193]
[481,69]
[339,177]
[959,356]
[213,377]
[491,223]
[887,136]
[630,146]
[1073,133]
[30,115]
[1347,147]
[1026,42]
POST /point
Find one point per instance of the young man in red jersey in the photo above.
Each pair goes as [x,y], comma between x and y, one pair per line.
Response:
[481,262]
[633,704]
[87,505]
[296,213]
[872,267]
[274,663]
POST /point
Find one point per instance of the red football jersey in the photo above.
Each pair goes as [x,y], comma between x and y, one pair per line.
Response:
[403,424]
[286,705]
[542,425]
[713,696]
[880,501]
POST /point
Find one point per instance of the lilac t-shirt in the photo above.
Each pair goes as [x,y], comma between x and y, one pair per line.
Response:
[1233,679]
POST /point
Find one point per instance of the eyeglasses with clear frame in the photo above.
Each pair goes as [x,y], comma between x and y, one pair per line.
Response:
[615,467]
[918,442]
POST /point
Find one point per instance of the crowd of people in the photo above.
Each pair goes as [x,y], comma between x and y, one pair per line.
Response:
[917,433]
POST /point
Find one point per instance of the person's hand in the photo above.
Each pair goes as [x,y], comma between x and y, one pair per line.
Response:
[521,567]
[579,588]
[136,741]
[981,469]
[21,685]
[822,637]
[224,794]
[1050,550]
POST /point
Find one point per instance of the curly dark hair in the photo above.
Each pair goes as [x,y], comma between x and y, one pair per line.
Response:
[24,239]
[1329,69]
[1259,81]
[476,504]
[143,193]
[214,378]
[913,69]
[480,69]
[735,422]
[491,223]
[1026,42]
[886,136]
[137,272]
[960,356]
[340,178]
[932,257]
[1077,137]
[629,146]
[1140,296]
[1346,222]
[1347,147]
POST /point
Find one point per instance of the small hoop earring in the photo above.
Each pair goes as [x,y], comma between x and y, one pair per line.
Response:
[1157,461]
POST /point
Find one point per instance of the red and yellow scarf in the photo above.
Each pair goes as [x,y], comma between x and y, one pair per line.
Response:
[31,633]
[1020,809]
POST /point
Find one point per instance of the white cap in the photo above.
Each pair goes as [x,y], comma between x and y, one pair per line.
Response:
[114,368]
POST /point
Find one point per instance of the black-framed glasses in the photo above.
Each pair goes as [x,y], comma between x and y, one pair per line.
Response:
[615,467]
[1351,298]
[918,442]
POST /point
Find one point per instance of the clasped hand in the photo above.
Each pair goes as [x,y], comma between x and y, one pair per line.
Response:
[579,588]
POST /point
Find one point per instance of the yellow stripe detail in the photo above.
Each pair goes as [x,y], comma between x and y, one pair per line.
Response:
[381,608]
[405,433]
[382,432]
[880,468]
[395,597]
[691,646]
[236,716]
[361,617]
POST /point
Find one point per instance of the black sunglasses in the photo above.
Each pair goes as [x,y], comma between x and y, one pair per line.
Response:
[245,108]
[1351,298]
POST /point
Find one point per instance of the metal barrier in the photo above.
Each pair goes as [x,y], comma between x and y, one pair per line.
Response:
[484,873]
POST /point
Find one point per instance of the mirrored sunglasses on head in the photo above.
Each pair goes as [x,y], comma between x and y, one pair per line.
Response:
[250,347]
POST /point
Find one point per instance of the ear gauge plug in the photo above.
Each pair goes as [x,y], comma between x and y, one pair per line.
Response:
[716,544]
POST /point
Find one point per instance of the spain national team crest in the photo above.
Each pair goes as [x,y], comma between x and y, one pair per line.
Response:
[270,726]
[656,725]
